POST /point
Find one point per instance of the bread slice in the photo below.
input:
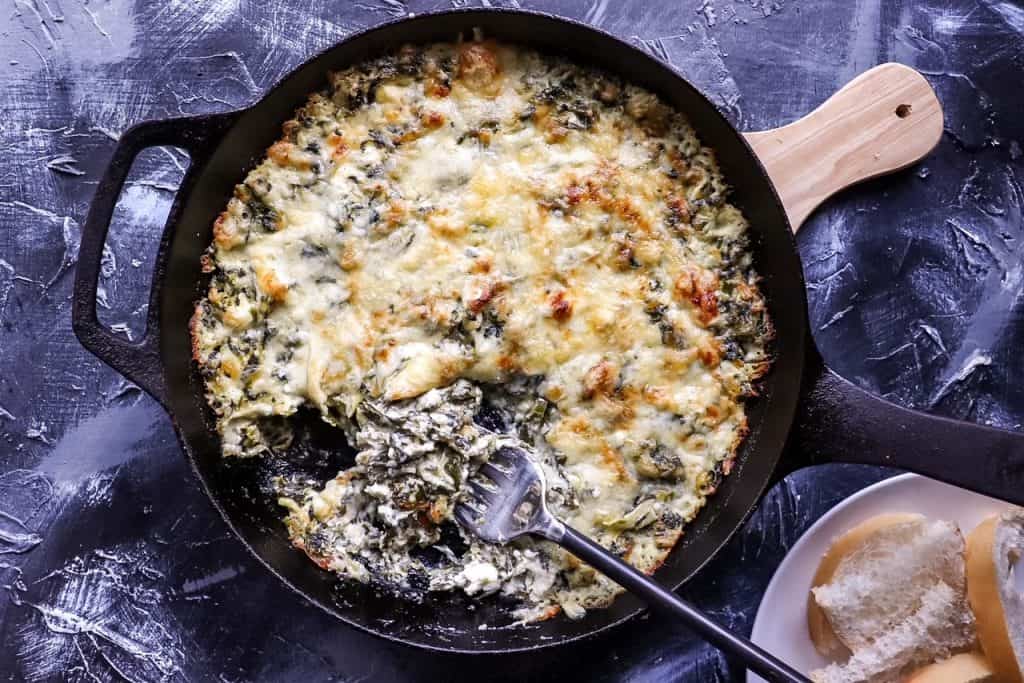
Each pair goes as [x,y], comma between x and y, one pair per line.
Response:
[822,635]
[992,550]
[940,624]
[895,597]
[883,582]
[966,667]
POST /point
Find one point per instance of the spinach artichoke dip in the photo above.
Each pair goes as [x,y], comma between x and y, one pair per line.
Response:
[463,244]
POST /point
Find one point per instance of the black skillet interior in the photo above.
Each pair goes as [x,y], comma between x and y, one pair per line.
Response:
[451,621]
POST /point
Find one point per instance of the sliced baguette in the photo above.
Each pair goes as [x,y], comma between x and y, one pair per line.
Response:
[992,550]
[933,630]
[822,635]
[884,581]
[967,667]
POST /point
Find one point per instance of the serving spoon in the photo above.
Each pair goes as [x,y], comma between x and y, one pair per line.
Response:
[505,500]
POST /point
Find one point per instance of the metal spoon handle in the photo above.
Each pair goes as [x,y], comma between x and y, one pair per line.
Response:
[765,664]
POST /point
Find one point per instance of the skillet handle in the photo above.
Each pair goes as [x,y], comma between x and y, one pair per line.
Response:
[841,422]
[138,361]
[884,120]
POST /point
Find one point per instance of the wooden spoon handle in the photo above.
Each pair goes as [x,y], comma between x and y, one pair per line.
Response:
[884,120]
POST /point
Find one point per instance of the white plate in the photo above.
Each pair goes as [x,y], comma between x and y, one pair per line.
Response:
[781,623]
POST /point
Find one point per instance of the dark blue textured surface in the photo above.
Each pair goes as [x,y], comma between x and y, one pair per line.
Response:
[112,563]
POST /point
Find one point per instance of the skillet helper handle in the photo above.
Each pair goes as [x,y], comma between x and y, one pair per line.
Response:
[139,360]
[882,121]
[756,659]
[840,422]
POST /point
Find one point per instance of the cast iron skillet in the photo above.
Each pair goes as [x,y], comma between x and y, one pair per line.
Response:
[828,418]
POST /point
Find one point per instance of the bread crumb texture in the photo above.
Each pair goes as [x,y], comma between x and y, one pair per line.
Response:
[897,601]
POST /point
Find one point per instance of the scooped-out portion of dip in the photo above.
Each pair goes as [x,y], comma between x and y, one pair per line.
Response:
[474,233]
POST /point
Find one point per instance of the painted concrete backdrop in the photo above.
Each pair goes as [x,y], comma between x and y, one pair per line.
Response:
[113,566]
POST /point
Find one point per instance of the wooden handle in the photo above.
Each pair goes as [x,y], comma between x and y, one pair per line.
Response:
[884,120]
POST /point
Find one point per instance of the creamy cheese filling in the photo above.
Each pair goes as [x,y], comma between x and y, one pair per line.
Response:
[474,224]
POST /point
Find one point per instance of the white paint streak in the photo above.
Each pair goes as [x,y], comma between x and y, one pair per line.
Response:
[122,328]
[156,185]
[697,55]
[234,57]
[898,350]
[219,576]
[99,611]
[38,431]
[45,213]
[597,12]
[66,164]
[141,203]
[95,21]
[107,132]
[104,614]
[1003,285]
[975,359]
[707,9]
[71,238]
[836,318]
[1012,14]
[15,536]
[934,335]
[947,19]
[393,8]
[195,19]
[174,160]
[7,275]
[30,7]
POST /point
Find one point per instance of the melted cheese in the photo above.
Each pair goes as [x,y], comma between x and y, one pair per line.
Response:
[483,212]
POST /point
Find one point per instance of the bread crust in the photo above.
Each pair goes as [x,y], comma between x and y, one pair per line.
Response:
[824,638]
[966,667]
[983,596]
